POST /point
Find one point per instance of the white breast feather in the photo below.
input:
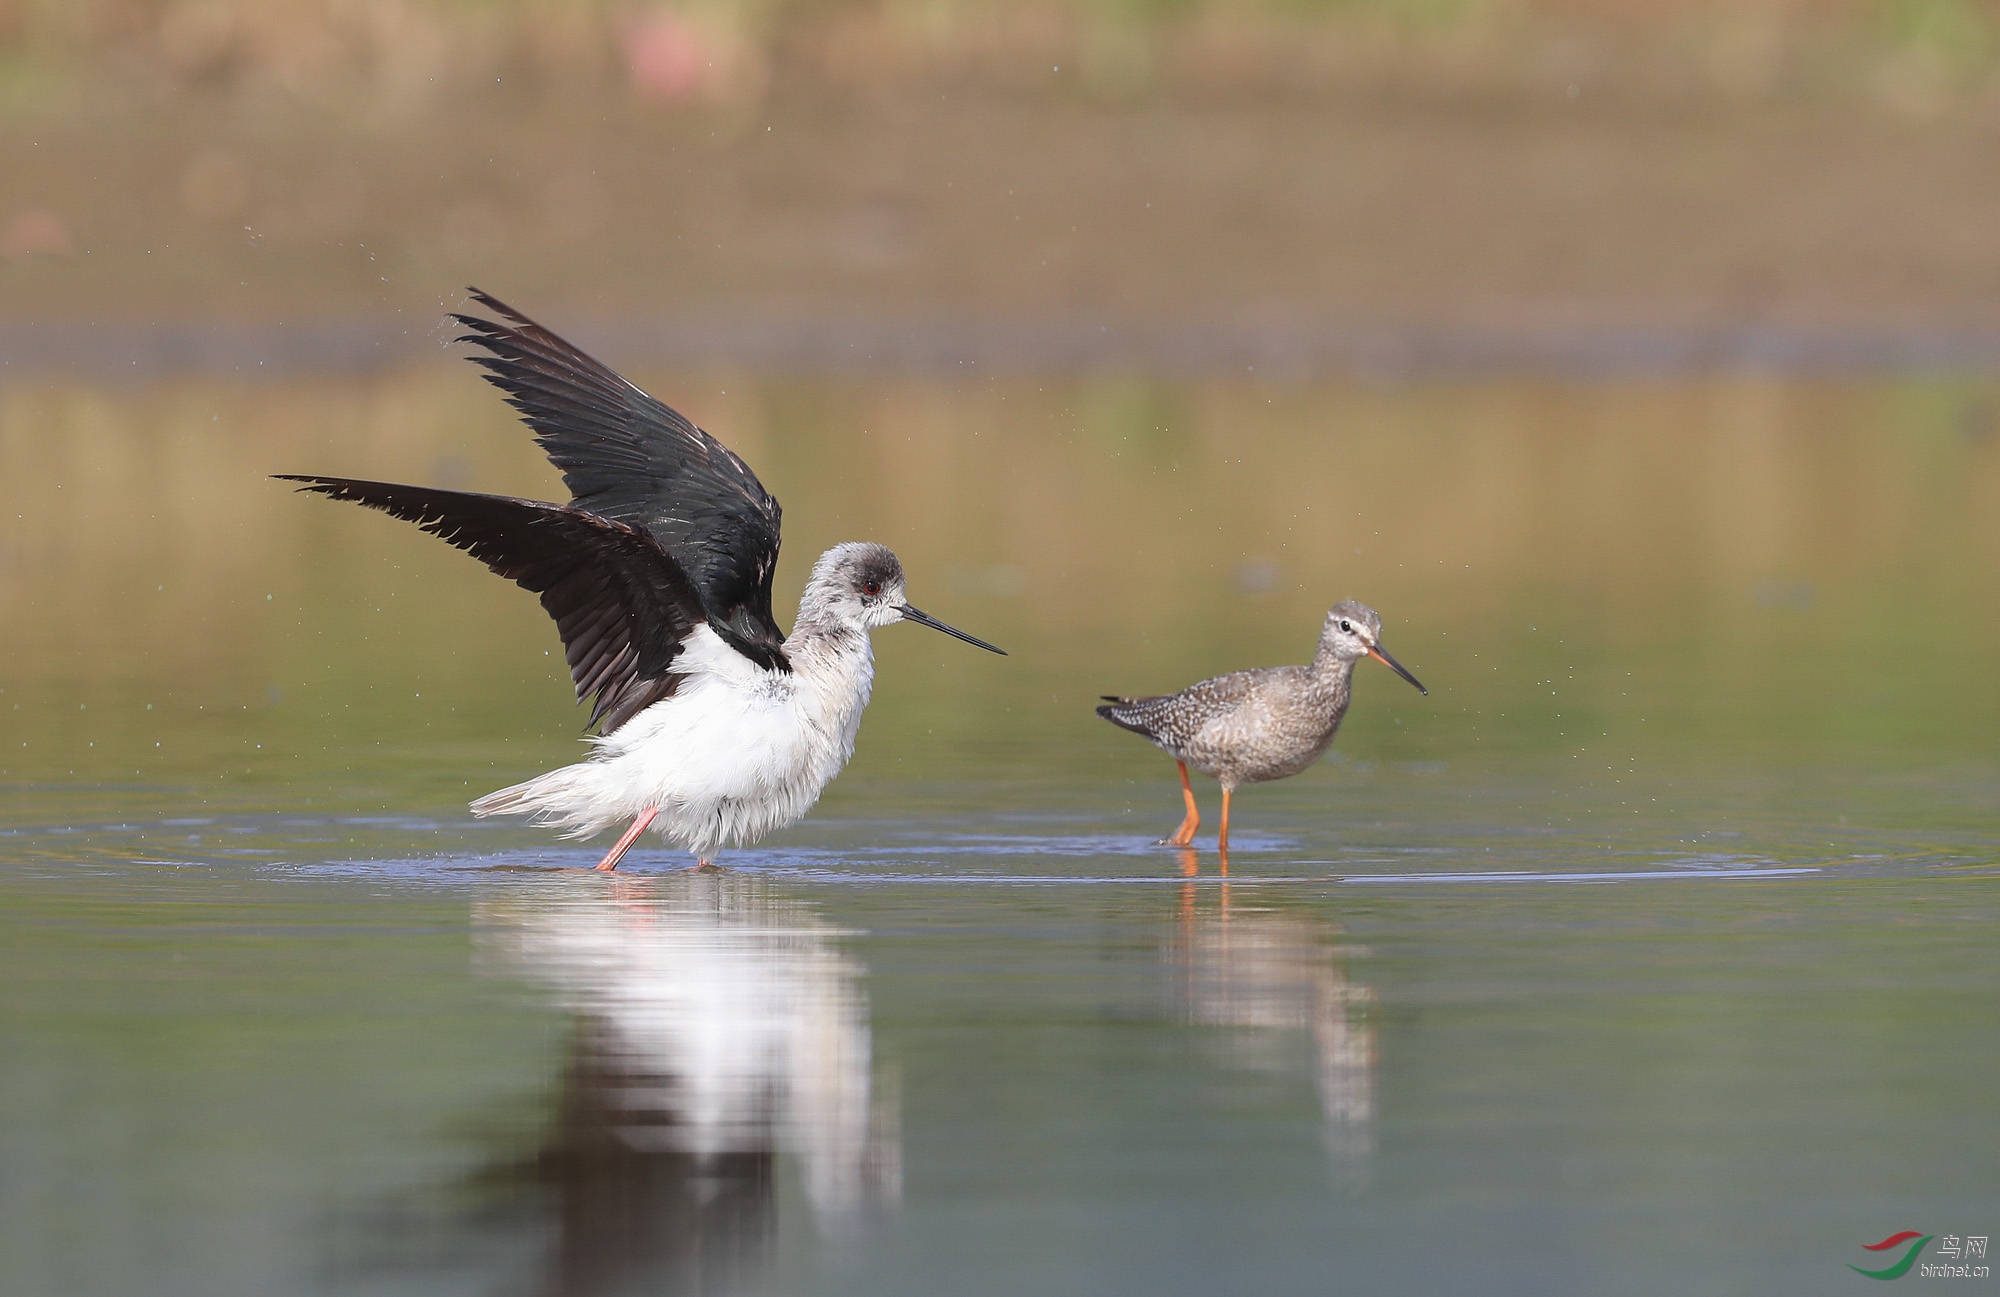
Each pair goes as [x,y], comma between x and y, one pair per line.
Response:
[736,752]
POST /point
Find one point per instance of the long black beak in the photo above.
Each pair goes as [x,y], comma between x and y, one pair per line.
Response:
[925,619]
[1381,655]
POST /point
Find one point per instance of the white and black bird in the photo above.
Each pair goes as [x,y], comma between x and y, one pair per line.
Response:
[713,725]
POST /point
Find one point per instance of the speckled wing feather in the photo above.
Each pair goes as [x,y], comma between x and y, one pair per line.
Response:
[620,602]
[1177,717]
[630,458]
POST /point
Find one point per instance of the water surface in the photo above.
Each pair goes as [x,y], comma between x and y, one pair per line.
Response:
[1651,952]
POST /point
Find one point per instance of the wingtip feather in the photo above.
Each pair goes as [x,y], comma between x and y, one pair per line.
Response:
[492,303]
[313,483]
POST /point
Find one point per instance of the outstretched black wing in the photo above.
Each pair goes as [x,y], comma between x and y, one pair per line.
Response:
[621,603]
[627,457]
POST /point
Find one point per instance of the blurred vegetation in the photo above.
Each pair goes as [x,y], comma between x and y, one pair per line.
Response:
[1462,163]
[385,58]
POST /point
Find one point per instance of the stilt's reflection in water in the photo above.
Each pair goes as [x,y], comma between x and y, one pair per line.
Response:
[718,1027]
[1270,974]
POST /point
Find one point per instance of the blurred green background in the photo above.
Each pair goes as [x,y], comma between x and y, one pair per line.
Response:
[1634,360]
[1729,573]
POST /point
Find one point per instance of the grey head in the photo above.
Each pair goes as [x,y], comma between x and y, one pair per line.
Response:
[1353,631]
[859,585]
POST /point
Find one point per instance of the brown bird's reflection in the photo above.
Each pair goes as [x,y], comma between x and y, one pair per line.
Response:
[1270,974]
[718,1029]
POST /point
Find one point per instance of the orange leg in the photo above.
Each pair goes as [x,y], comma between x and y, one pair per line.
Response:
[1192,820]
[624,844]
[1222,842]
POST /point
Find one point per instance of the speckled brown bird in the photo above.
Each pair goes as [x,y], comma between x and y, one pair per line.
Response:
[1251,726]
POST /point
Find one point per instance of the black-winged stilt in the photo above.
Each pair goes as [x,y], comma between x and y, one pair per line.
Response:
[712,724]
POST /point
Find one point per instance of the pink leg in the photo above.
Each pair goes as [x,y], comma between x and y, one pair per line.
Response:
[624,844]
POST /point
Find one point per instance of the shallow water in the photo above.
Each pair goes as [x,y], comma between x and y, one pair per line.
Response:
[1651,953]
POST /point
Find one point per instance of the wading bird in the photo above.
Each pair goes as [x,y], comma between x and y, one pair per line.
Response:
[713,725]
[1251,726]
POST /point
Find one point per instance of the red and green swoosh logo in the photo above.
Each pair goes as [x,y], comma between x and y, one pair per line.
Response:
[1902,1267]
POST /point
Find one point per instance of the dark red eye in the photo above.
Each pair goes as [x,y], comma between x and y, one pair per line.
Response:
[871,587]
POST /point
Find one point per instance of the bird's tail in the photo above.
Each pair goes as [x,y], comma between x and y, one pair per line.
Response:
[574,799]
[1125,713]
